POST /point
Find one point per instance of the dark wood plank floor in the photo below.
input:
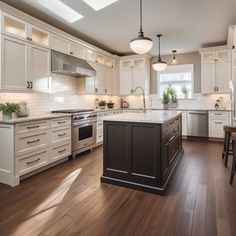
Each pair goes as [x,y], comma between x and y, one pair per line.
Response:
[70,200]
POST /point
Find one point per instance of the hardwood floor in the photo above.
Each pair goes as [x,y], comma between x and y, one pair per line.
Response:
[70,200]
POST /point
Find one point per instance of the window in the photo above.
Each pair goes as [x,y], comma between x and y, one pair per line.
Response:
[179,77]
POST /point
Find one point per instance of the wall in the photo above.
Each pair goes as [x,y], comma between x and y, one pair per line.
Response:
[63,95]
[186,58]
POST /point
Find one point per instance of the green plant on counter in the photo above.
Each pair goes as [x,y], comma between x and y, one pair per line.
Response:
[10,108]
[165,98]
[102,103]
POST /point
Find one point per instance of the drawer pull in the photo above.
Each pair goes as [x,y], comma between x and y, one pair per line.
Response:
[218,114]
[33,127]
[61,151]
[30,162]
[61,122]
[61,135]
[100,136]
[218,122]
[33,141]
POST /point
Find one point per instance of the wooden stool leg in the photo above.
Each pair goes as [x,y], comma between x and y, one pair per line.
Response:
[227,148]
[234,163]
[224,149]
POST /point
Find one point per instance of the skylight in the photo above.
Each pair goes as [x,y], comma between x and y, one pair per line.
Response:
[99,4]
[61,9]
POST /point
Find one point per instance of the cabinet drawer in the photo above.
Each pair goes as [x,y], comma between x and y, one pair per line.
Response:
[29,162]
[24,144]
[60,122]
[28,127]
[219,114]
[59,134]
[216,127]
[61,151]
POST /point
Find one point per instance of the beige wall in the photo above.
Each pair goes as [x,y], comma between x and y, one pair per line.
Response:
[186,58]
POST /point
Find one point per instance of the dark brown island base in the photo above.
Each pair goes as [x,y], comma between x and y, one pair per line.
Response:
[141,150]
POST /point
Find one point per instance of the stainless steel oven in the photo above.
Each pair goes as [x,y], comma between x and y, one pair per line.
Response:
[83,134]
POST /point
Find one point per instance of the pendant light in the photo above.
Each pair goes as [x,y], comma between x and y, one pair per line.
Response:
[141,44]
[159,65]
[174,57]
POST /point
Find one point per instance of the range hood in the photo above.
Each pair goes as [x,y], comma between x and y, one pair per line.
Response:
[72,66]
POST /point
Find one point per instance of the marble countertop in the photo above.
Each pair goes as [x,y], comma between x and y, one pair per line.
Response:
[157,117]
[34,118]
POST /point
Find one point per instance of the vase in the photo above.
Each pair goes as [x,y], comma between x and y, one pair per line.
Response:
[6,116]
[165,106]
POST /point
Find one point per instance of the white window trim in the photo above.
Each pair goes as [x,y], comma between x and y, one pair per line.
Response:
[176,69]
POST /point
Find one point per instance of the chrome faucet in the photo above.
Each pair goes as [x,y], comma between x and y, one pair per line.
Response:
[144,103]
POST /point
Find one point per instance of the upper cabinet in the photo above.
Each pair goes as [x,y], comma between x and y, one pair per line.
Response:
[77,50]
[96,57]
[20,29]
[134,72]
[24,66]
[216,71]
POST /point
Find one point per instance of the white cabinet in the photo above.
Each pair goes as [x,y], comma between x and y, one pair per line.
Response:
[217,120]
[14,64]
[108,79]
[39,67]
[60,44]
[116,77]
[184,123]
[93,56]
[25,66]
[17,28]
[134,72]
[216,71]
[77,50]
[28,146]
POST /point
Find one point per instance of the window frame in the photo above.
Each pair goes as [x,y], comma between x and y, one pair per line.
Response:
[176,69]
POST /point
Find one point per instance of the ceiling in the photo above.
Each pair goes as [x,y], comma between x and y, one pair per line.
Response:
[186,25]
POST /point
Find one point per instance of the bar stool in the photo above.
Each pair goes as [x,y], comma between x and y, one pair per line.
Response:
[228,129]
[233,170]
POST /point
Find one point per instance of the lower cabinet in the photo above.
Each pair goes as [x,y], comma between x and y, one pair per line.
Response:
[217,121]
[27,147]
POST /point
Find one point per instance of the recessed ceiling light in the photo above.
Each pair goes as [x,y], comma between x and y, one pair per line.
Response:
[61,9]
[99,4]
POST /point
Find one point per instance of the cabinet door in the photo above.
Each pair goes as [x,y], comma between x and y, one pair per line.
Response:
[108,61]
[99,78]
[77,50]
[126,64]
[208,78]
[60,44]
[15,27]
[108,77]
[184,123]
[139,79]
[126,81]
[39,67]
[39,36]
[90,55]
[116,81]
[216,127]
[223,77]
[14,63]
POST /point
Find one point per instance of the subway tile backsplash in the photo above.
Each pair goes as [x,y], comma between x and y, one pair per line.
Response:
[63,95]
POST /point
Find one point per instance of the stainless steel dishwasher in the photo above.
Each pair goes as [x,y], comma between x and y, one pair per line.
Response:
[197,124]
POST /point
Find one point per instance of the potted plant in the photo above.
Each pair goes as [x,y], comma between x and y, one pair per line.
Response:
[185,91]
[165,99]
[8,109]
[102,104]
[173,97]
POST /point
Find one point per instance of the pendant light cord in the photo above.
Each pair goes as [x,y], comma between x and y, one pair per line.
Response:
[141,17]
[159,46]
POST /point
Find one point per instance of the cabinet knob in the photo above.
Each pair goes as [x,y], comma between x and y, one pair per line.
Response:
[96,90]
[28,84]
[31,84]
[71,53]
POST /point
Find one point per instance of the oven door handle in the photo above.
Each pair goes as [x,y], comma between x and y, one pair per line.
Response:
[82,125]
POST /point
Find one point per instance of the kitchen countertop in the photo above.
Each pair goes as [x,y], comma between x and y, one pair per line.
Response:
[34,118]
[157,117]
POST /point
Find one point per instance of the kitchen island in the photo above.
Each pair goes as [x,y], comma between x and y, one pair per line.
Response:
[141,150]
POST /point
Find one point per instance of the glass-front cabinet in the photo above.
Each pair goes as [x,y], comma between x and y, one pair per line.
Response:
[17,28]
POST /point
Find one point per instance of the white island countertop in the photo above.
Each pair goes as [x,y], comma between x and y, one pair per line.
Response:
[158,117]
